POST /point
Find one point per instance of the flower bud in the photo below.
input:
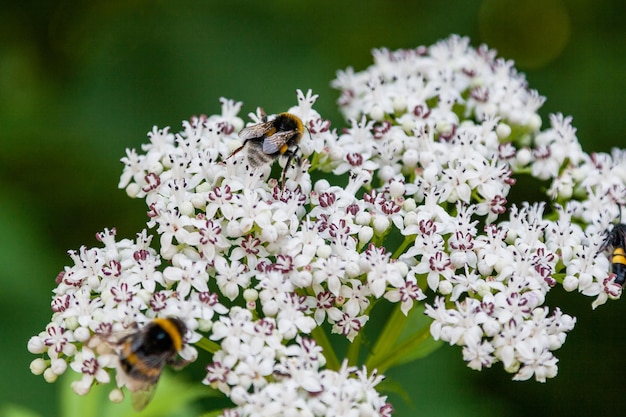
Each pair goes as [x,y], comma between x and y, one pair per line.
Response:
[396,189]
[250,294]
[381,224]
[38,366]
[49,376]
[58,366]
[570,283]
[36,345]
[133,189]
[324,251]
[377,113]
[365,234]
[187,209]
[82,334]
[116,395]
[503,131]
[410,158]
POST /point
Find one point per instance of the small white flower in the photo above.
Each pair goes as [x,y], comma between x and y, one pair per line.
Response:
[92,368]
[187,274]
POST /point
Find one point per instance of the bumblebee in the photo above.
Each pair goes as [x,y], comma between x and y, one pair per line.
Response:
[616,240]
[268,140]
[144,353]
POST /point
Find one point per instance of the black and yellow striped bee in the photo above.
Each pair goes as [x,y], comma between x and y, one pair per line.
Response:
[144,353]
[268,140]
[616,241]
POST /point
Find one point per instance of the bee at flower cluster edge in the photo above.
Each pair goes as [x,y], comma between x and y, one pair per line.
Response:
[616,241]
[270,139]
[144,353]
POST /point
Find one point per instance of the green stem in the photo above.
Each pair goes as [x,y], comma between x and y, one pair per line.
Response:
[387,338]
[523,171]
[214,413]
[407,241]
[385,362]
[322,340]
[353,350]
[206,344]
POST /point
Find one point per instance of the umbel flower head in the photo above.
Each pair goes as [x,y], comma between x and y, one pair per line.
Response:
[409,204]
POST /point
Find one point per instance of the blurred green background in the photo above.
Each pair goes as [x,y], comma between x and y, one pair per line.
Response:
[80,81]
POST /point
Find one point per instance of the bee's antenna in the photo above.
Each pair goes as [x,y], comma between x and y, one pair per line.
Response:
[261,111]
[307,129]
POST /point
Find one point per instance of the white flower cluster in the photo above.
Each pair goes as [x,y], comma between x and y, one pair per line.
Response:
[411,198]
[108,291]
[456,123]
[230,237]
[252,352]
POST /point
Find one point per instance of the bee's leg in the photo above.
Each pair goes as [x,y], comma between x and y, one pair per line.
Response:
[282,177]
[178,363]
[238,149]
[291,156]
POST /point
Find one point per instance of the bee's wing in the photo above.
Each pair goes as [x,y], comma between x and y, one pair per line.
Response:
[142,390]
[143,396]
[273,143]
[255,131]
[111,340]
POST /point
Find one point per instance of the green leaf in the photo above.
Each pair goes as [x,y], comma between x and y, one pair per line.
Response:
[174,397]
[390,386]
[14,410]
[404,339]
[423,349]
[418,323]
